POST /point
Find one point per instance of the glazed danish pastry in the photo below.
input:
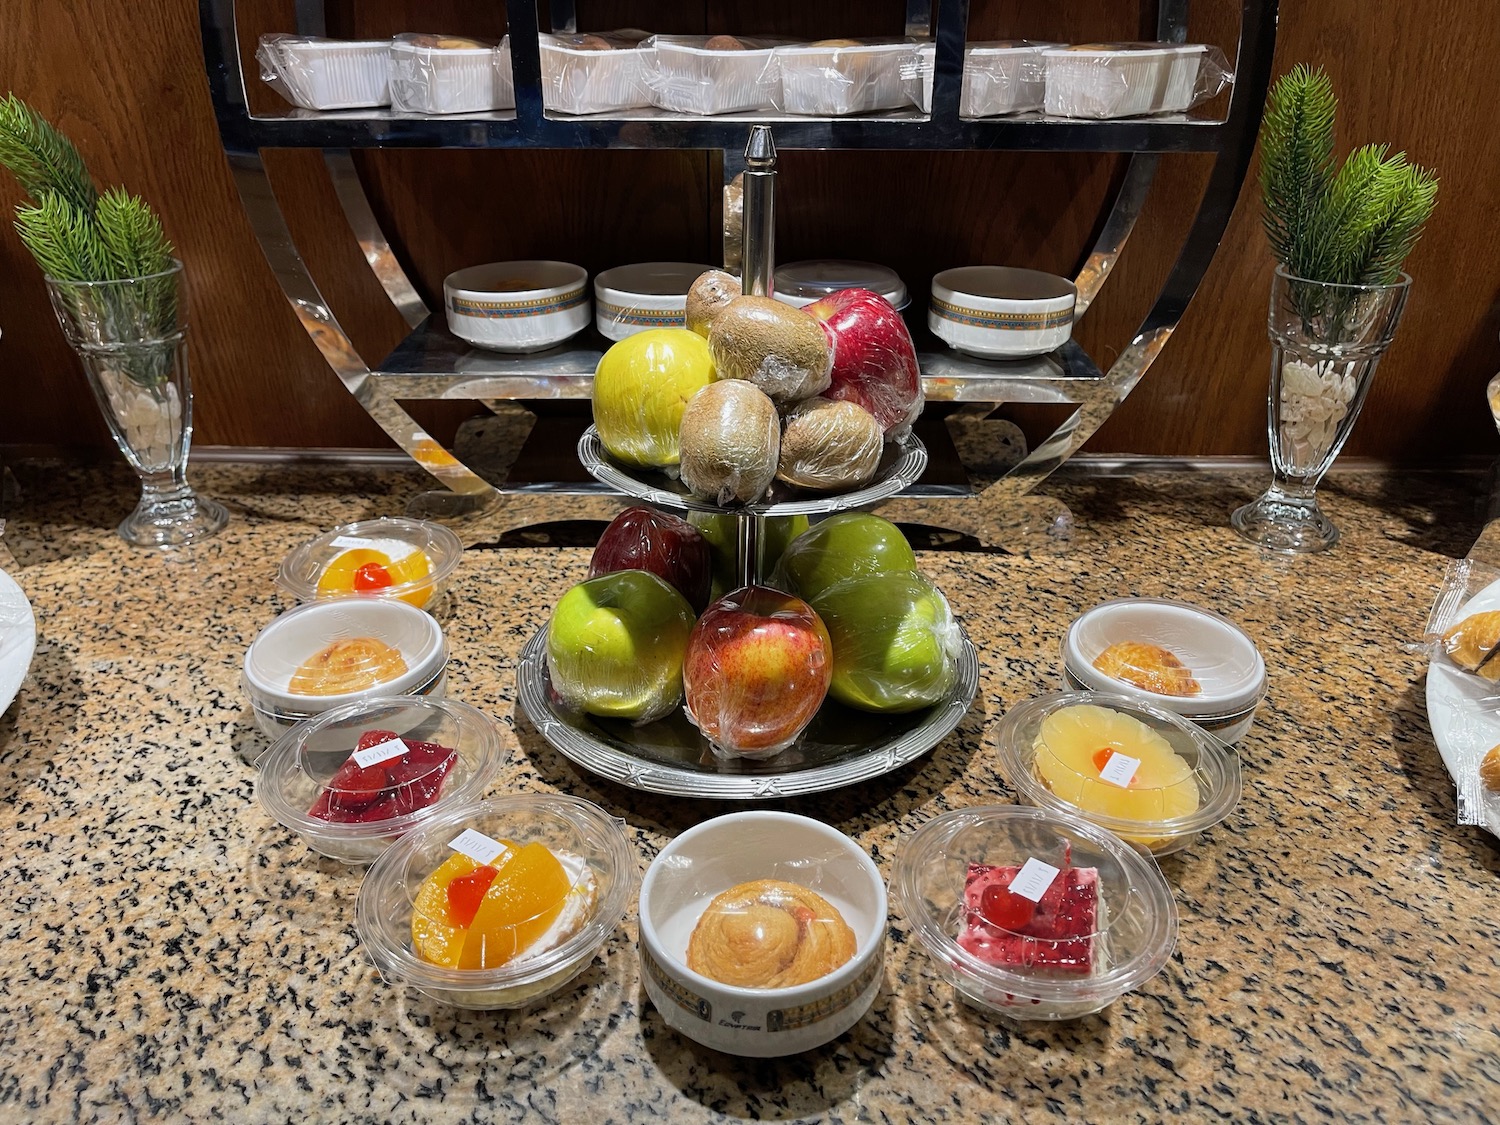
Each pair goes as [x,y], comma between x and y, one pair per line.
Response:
[1148,667]
[353,664]
[769,934]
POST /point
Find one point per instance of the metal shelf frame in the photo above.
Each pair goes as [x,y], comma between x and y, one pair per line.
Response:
[431,364]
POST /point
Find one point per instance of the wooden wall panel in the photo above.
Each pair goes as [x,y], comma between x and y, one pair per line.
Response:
[125,80]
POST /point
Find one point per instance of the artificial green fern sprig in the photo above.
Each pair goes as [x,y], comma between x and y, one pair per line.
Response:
[1355,227]
[42,158]
[62,239]
[1296,158]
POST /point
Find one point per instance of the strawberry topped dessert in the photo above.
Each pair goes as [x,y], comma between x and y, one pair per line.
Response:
[1053,934]
[404,783]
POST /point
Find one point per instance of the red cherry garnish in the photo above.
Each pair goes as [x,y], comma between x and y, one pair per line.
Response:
[371,576]
[1102,757]
[466,892]
[1006,910]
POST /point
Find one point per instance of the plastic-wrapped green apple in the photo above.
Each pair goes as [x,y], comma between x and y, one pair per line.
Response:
[721,531]
[895,642]
[842,547]
[615,646]
[641,386]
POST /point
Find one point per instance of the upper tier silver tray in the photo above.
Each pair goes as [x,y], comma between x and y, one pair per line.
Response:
[902,463]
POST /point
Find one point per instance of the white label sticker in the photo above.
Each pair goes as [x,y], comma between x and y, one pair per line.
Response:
[477,846]
[350,542]
[1120,769]
[380,752]
[1033,879]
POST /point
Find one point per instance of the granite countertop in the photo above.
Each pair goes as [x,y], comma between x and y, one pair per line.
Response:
[173,954]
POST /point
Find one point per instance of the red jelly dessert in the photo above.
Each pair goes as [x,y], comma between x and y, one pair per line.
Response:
[358,794]
[1054,934]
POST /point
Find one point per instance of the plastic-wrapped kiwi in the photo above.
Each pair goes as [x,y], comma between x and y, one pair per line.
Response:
[729,440]
[781,349]
[829,445]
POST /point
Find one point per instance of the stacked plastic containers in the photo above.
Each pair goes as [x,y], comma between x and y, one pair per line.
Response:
[412,73]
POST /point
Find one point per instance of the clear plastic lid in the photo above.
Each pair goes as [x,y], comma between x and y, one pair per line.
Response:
[1131,767]
[1034,913]
[802,283]
[369,771]
[1191,660]
[492,905]
[410,560]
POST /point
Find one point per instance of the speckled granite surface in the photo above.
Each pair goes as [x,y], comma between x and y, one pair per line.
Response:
[172,954]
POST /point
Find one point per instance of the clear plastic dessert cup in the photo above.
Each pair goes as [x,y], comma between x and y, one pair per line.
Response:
[1134,768]
[364,648]
[356,778]
[1089,919]
[594,852]
[723,853]
[305,572]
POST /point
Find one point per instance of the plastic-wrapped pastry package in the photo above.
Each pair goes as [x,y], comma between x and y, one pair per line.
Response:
[838,77]
[707,74]
[317,73]
[828,446]
[1098,80]
[595,73]
[1462,635]
[1002,77]
[734,223]
[450,74]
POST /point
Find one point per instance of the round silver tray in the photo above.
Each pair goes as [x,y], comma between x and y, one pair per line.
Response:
[902,463]
[840,747]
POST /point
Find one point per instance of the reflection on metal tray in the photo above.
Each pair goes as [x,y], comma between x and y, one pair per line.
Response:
[840,747]
[902,462]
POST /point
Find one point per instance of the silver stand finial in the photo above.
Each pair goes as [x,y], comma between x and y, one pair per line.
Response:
[759,260]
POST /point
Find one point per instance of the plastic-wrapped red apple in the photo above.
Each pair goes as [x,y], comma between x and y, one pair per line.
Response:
[757,668]
[642,538]
[874,360]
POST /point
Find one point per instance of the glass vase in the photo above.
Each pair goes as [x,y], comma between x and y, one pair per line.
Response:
[1326,342]
[132,339]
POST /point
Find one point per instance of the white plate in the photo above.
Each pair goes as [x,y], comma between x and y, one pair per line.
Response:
[17,638]
[1463,711]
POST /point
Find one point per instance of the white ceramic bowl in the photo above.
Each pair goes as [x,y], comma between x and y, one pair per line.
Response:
[685,76]
[283,645]
[300,772]
[721,853]
[834,81]
[1121,80]
[317,73]
[1000,311]
[631,299]
[1220,655]
[438,80]
[578,81]
[517,306]
[387,897]
[802,283]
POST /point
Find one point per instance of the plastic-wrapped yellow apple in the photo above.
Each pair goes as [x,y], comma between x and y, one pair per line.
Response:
[641,387]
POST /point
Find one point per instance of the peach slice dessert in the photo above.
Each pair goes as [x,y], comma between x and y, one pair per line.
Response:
[368,570]
[1075,751]
[529,899]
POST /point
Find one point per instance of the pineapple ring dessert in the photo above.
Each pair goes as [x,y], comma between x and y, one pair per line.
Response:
[1074,747]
